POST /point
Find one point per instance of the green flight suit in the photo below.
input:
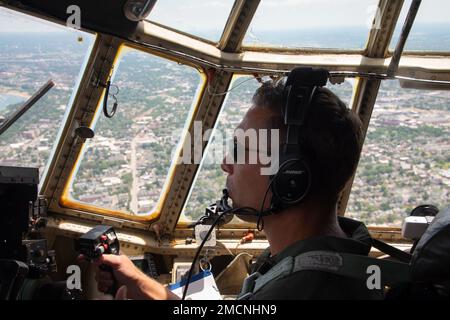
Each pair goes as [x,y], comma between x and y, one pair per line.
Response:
[315,284]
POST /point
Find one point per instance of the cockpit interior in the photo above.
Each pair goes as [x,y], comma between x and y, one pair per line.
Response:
[100,101]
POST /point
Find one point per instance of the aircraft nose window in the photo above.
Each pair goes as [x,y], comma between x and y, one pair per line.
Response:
[312,24]
[28,59]
[431,29]
[126,164]
[405,160]
[185,16]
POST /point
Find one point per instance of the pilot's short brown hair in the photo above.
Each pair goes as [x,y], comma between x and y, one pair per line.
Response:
[331,137]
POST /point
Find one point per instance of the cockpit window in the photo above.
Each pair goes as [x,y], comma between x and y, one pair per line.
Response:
[312,24]
[202,18]
[405,160]
[33,51]
[431,28]
[126,165]
[210,179]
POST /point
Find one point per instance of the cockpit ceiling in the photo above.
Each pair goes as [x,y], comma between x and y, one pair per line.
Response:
[258,16]
[228,53]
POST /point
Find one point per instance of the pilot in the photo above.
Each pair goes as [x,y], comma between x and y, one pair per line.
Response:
[331,140]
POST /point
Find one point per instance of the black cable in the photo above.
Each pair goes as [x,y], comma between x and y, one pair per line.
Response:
[105,102]
[242,211]
[199,250]
[260,223]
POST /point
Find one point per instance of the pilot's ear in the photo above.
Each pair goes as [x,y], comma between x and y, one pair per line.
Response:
[121,293]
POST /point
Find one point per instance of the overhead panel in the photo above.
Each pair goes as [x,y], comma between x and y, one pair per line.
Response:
[100,16]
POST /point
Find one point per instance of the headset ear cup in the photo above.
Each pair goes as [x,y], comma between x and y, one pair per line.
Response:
[291,183]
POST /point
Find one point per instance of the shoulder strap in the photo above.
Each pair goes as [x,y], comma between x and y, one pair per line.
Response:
[392,251]
[353,266]
[344,264]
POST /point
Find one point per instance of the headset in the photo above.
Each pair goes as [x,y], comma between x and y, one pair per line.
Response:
[292,182]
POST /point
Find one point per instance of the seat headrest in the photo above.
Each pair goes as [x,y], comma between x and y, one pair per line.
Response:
[431,258]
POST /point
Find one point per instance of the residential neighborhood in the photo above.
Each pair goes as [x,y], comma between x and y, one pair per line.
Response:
[405,160]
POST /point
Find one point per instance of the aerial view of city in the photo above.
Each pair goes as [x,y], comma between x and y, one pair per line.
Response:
[405,160]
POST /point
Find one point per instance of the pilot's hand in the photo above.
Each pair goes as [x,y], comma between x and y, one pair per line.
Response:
[138,285]
[125,272]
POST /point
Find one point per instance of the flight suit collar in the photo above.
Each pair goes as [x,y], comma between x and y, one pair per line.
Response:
[358,241]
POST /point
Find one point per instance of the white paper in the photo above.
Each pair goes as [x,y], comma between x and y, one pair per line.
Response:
[202,287]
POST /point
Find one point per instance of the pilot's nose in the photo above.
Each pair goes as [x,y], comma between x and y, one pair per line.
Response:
[227,167]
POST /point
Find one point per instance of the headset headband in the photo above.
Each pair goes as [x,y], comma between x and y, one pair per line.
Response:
[298,93]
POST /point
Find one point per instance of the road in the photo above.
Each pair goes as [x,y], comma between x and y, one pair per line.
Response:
[134,185]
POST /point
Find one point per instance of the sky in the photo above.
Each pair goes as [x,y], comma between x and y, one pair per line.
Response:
[271,14]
